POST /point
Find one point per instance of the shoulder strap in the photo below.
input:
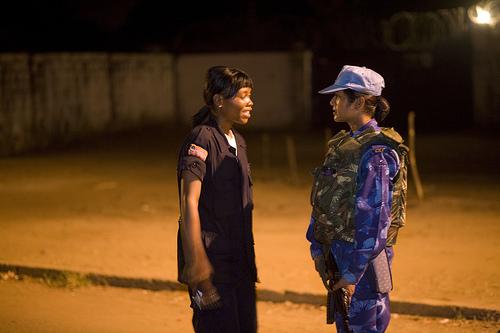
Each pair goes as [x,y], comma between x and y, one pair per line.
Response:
[390,133]
[337,137]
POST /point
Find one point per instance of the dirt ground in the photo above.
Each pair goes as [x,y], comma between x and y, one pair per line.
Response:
[28,306]
[110,206]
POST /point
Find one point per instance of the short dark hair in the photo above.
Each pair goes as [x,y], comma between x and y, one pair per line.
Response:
[224,81]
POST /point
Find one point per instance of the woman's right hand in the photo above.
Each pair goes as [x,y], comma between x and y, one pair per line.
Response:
[205,293]
[208,296]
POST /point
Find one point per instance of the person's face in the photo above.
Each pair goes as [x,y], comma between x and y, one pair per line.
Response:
[343,109]
[238,109]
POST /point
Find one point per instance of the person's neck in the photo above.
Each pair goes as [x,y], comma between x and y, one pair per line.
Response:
[225,125]
[358,123]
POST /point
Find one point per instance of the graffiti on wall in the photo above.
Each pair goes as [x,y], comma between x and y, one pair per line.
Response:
[405,31]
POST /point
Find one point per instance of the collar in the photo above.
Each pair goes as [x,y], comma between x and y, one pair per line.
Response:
[222,139]
[371,124]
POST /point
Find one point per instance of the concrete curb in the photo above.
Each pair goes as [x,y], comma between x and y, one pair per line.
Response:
[407,308]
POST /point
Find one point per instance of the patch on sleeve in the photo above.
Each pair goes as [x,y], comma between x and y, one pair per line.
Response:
[197,151]
[378,149]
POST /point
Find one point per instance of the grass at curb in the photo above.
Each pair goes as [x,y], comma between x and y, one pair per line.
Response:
[51,278]
[72,280]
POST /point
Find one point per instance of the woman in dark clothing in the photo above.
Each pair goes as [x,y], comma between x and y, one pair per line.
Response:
[215,250]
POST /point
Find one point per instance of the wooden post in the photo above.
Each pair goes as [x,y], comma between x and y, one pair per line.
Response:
[292,159]
[413,158]
[266,152]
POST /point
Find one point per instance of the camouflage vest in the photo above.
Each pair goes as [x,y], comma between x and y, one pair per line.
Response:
[335,185]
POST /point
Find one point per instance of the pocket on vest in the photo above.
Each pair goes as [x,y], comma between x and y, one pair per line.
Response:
[323,187]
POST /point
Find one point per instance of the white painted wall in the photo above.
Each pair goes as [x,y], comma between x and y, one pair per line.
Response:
[48,99]
[281,92]
[70,96]
[16,112]
[142,89]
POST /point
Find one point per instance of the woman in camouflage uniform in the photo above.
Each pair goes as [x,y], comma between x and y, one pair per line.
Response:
[358,199]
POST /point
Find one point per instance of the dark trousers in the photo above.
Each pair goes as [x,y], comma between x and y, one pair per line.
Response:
[237,314]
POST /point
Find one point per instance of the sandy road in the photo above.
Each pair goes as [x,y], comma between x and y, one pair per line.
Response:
[28,306]
[111,208]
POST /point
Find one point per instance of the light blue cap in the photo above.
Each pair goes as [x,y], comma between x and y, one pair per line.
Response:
[360,79]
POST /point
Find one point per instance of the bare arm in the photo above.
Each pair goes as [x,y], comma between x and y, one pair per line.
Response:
[198,265]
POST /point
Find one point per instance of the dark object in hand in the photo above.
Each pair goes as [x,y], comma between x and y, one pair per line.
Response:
[337,302]
[208,300]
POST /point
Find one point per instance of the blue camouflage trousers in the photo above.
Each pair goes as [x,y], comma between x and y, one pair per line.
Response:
[367,315]
[369,311]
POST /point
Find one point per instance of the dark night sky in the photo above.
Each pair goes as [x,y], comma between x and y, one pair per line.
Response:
[139,25]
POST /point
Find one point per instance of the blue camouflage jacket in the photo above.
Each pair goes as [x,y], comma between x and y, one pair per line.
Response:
[372,214]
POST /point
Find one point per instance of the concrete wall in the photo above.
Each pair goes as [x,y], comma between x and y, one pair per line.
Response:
[16,112]
[143,89]
[70,96]
[486,75]
[51,99]
[48,99]
[282,85]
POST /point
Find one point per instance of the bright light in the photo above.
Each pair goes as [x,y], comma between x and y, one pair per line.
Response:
[483,16]
[485,12]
